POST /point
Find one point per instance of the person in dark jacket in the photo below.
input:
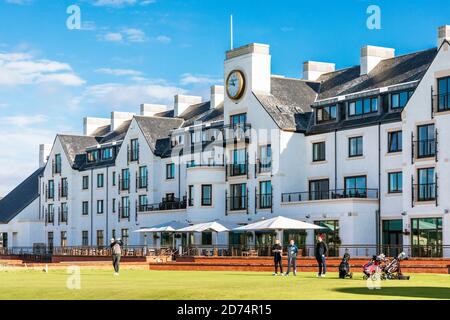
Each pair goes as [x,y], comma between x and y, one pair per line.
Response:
[277,250]
[320,253]
[116,251]
[292,251]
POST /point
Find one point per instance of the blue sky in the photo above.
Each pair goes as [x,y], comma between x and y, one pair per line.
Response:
[133,51]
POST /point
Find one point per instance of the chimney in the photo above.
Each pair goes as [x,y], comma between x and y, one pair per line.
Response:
[312,70]
[217,96]
[371,56]
[443,34]
[90,125]
[182,102]
[117,118]
[149,110]
[44,152]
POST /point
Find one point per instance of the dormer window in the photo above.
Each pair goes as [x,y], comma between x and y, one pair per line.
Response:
[363,106]
[400,99]
[93,156]
[107,153]
[325,114]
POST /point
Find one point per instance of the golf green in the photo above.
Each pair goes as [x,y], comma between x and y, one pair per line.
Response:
[167,285]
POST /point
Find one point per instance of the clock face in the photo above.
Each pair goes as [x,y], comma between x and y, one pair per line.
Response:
[235,85]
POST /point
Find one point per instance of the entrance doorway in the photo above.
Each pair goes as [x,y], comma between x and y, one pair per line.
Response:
[392,237]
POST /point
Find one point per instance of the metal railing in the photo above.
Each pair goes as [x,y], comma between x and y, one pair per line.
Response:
[237,169]
[441,102]
[425,192]
[142,182]
[237,203]
[264,201]
[350,193]
[238,132]
[124,184]
[165,205]
[263,167]
[425,148]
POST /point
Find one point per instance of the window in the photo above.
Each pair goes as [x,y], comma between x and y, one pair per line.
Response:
[238,196]
[265,195]
[331,234]
[190,164]
[107,153]
[239,164]
[319,189]
[51,189]
[426,144]
[64,188]
[206,195]
[85,182]
[134,150]
[85,238]
[400,99]
[114,178]
[427,237]
[125,209]
[99,206]
[170,197]
[265,153]
[93,156]
[125,236]
[191,196]
[143,177]
[395,143]
[395,182]
[63,238]
[100,180]
[125,181]
[113,233]
[426,184]
[325,114]
[238,119]
[114,205]
[355,147]
[85,208]
[319,151]
[64,212]
[143,202]
[363,106]
[206,238]
[170,171]
[356,187]
[51,213]
[443,94]
[50,240]
[100,238]
[57,163]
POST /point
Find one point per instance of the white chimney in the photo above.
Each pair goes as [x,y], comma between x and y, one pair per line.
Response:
[44,152]
[312,70]
[149,110]
[117,118]
[217,96]
[443,34]
[182,102]
[90,125]
[371,56]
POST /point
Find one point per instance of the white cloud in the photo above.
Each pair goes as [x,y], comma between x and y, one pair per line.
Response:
[163,39]
[23,120]
[22,68]
[113,37]
[119,72]
[187,79]
[19,2]
[125,35]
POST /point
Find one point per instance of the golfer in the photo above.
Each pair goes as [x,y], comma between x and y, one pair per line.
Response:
[277,250]
[320,252]
[292,251]
[116,249]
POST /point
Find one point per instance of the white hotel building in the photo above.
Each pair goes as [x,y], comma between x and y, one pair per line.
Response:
[360,150]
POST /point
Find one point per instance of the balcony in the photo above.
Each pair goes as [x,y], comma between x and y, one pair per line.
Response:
[64,191]
[423,149]
[237,132]
[124,185]
[124,212]
[264,201]
[237,203]
[165,205]
[354,193]
[63,216]
[424,192]
[142,182]
[236,170]
[441,102]
[263,167]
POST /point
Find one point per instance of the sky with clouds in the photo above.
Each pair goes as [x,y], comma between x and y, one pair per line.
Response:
[128,52]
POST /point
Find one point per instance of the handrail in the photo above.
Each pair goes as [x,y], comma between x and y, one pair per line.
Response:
[349,193]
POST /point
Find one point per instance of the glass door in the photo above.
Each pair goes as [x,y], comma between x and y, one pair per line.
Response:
[427,237]
[392,237]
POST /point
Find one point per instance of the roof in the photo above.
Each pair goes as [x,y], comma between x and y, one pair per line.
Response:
[75,146]
[19,198]
[289,103]
[393,71]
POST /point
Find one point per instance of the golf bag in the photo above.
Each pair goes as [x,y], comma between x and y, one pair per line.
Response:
[392,269]
[374,267]
[344,267]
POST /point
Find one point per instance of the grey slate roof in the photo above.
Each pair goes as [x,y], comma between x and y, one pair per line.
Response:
[74,146]
[400,69]
[19,198]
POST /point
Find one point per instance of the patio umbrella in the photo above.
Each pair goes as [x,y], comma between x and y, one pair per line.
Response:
[172,226]
[279,223]
[215,226]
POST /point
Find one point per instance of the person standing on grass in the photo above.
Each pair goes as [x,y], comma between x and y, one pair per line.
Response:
[277,250]
[320,253]
[116,250]
[292,251]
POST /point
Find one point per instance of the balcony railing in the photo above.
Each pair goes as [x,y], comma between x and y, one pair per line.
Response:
[124,184]
[263,167]
[164,205]
[351,193]
[426,148]
[124,212]
[441,102]
[264,201]
[425,192]
[142,182]
[237,203]
[64,190]
[236,170]
[64,216]
[238,132]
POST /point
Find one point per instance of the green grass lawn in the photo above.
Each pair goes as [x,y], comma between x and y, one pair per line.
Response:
[137,284]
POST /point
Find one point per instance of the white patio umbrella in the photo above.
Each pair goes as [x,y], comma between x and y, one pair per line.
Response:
[172,226]
[279,223]
[215,226]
